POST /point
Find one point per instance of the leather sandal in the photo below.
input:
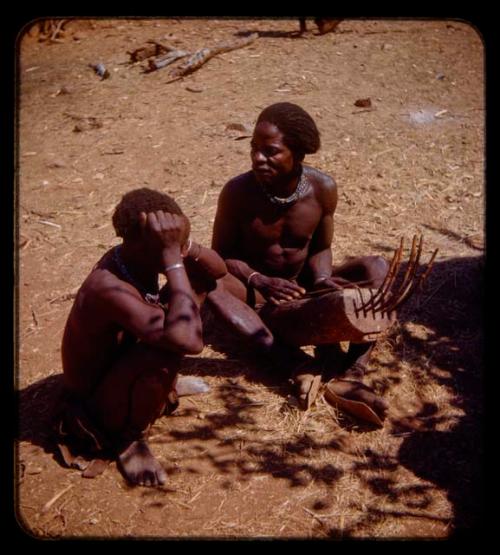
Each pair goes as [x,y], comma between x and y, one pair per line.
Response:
[357,400]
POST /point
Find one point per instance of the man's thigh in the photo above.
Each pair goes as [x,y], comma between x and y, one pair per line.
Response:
[111,400]
[371,270]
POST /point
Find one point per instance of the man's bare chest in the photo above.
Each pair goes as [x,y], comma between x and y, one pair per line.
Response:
[293,226]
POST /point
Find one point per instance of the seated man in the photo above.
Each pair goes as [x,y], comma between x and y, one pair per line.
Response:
[125,338]
[274,228]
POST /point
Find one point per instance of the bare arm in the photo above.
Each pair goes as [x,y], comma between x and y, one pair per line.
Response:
[177,329]
[206,261]
[226,240]
[226,233]
[320,254]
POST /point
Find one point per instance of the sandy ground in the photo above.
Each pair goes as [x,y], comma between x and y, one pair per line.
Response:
[242,460]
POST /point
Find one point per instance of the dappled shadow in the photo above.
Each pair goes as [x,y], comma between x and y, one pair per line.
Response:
[443,451]
[452,313]
[234,439]
[440,336]
[36,404]
[446,349]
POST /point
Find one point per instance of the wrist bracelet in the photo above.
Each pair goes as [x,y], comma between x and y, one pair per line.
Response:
[173,267]
[251,276]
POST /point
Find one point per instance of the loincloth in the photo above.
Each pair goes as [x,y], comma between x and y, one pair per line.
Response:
[80,442]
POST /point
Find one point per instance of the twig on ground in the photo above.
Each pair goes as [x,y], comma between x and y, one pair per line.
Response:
[202,56]
[49,503]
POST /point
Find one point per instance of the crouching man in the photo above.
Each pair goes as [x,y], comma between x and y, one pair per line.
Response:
[125,336]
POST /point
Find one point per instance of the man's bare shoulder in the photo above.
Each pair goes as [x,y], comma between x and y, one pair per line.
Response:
[239,184]
[321,181]
[238,189]
[102,286]
[324,186]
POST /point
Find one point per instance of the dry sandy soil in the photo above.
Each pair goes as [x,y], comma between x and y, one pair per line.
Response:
[242,460]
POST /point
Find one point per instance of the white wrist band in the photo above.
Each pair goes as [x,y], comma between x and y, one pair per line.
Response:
[251,276]
[173,267]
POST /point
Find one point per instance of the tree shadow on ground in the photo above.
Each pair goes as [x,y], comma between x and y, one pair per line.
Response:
[449,458]
[452,313]
[36,404]
[449,354]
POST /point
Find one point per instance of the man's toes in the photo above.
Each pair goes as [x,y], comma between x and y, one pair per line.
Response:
[161,477]
[381,405]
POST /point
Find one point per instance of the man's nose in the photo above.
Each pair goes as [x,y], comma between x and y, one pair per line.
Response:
[258,157]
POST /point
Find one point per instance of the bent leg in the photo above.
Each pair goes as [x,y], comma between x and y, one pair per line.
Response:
[131,396]
[369,271]
[228,302]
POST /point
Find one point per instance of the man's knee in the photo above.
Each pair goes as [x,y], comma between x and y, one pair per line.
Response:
[379,263]
[263,339]
[377,267]
[150,358]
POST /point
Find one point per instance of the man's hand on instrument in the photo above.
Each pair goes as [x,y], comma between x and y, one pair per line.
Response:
[334,283]
[275,290]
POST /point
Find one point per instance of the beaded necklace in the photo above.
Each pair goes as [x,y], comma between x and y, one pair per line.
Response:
[153,298]
[282,201]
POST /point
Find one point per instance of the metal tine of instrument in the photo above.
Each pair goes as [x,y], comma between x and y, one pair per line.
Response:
[389,278]
[409,284]
[418,283]
[428,269]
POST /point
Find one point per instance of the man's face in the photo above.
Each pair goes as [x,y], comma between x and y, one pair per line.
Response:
[271,158]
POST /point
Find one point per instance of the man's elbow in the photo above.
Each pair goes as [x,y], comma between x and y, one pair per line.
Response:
[221,270]
[190,343]
[194,346]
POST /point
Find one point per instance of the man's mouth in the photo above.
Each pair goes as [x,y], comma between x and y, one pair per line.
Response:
[263,171]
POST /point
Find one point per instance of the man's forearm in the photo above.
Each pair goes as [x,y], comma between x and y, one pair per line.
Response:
[207,259]
[321,265]
[240,269]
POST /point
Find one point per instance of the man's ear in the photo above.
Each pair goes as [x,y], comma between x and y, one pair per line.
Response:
[298,157]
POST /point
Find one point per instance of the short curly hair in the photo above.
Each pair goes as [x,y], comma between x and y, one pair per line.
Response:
[300,133]
[126,214]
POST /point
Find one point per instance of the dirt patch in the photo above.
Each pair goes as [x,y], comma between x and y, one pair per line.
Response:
[242,460]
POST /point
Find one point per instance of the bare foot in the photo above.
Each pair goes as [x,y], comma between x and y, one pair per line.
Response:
[306,381]
[360,392]
[326,25]
[307,388]
[139,465]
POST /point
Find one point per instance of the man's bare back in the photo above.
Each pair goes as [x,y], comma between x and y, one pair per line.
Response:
[124,338]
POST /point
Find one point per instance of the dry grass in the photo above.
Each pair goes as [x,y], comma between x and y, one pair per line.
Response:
[242,460]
